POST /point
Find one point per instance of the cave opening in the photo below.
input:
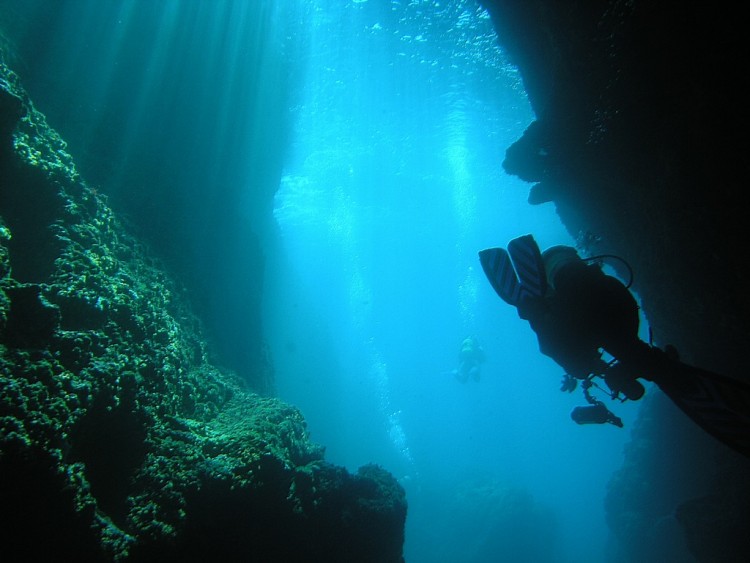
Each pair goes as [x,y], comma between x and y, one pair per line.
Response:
[391,185]
[338,165]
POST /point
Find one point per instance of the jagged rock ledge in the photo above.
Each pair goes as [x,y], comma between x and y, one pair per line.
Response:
[638,112]
[121,440]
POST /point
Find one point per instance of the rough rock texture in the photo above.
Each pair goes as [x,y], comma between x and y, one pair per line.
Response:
[146,117]
[119,438]
[636,143]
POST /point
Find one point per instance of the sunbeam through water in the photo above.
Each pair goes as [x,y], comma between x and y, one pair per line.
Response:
[392,185]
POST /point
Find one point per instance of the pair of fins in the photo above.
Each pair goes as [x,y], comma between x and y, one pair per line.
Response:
[517,272]
[718,404]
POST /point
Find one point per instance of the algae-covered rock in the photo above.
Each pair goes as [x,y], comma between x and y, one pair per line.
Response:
[121,439]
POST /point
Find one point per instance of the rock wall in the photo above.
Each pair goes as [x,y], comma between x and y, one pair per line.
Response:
[189,149]
[120,439]
[635,143]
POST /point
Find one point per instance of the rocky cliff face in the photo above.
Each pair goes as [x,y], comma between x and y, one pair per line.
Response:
[120,439]
[635,143]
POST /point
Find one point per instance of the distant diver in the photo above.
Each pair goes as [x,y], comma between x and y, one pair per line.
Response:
[470,358]
[578,312]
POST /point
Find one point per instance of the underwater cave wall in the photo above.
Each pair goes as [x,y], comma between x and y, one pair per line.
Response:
[634,144]
[179,113]
[120,440]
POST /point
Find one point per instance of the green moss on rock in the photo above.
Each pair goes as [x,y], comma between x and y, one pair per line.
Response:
[121,440]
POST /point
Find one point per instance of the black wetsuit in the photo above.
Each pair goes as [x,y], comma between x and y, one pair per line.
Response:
[586,311]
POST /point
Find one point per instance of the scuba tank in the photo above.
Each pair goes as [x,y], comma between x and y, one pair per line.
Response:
[596,412]
[555,258]
[592,414]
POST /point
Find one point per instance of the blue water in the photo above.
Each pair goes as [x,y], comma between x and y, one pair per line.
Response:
[381,127]
[392,185]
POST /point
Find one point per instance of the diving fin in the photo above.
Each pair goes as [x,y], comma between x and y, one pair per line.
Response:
[718,404]
[516,272]
[527,259]
[501,275]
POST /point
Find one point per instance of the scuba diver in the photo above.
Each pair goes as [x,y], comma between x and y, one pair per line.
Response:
[469,359]
[579,313]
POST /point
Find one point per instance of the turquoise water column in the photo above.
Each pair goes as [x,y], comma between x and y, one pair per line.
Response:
[329,211]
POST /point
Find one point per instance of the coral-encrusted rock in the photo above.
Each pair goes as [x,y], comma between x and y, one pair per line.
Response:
[32,320]
[11,109]
[119,440]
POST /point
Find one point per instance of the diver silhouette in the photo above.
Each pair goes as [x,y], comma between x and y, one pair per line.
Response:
[578,313]
[470,358]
